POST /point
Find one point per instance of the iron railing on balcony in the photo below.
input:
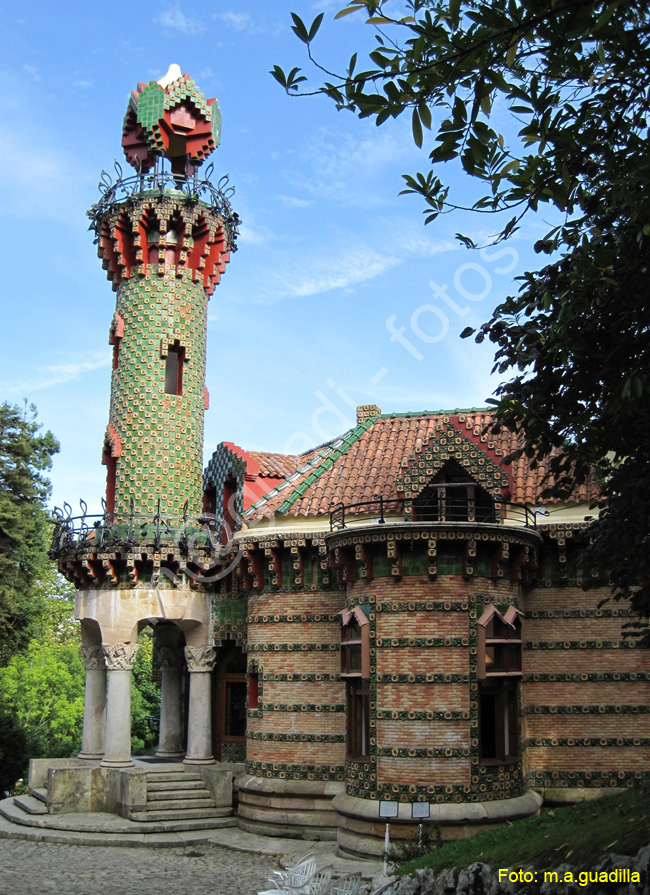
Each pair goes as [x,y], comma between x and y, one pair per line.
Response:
[186,535]
[452,502]
[159,180]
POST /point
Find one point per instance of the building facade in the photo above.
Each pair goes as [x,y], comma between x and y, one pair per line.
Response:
[392,624]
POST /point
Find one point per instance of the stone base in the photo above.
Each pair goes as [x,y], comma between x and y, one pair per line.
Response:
[294,809]
[565,795]
[361,831]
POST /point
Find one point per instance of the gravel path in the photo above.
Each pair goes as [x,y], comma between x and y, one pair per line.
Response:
[37,868]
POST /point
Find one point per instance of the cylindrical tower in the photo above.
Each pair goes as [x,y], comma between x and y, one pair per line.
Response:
[164,238]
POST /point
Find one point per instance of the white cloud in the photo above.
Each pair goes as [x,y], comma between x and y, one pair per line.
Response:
[239,21]
[49,375]
[243,21]
[351,267]
[294,202]
[53,185]
[251,235]
[336,166]
[83,84]
[32,72]
[174,19]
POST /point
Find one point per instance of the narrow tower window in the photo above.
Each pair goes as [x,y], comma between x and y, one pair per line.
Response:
[355,671]
[174,370]
[111,480]
[499,673]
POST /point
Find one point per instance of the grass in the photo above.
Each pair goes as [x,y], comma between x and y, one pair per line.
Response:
[575,834]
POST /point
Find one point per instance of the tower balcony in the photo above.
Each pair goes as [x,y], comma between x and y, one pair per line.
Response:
[158,220]
[451,529]
[110,550]
[443,505]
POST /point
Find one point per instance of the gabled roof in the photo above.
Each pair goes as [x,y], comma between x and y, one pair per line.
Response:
[395,454]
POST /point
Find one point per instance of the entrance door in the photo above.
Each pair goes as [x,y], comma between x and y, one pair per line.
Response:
[230,703]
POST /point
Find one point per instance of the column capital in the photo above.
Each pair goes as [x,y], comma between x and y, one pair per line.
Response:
[168,657]
[92,657]
[200,658]
[120,656]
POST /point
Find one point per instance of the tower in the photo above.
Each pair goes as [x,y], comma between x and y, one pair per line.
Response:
[164,238]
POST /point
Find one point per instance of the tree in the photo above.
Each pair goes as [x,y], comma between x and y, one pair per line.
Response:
[542,103]
[42,686]
[145,697]
[25,455]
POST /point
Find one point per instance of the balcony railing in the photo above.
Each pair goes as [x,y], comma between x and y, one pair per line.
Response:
[158,180]
[448,503]
[185,535]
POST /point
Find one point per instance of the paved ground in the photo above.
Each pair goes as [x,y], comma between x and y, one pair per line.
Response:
[37,868]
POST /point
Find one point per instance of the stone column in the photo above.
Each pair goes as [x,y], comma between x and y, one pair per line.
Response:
[170,741]
[92,743]
[200,662]
[119,662]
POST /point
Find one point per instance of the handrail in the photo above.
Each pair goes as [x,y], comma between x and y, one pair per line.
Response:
[127,531]
[441,507]
[159,180]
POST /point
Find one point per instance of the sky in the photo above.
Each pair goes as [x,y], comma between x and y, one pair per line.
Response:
[338,295]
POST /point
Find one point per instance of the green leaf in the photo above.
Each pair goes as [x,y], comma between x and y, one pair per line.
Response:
[299,28]
[417,128]
[425,114]
[315,25]
[349,10]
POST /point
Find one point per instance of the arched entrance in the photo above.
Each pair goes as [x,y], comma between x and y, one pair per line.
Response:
[229,703]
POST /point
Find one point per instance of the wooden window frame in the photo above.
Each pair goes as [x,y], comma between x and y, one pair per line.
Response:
[499,684]
[355,617]
[358,719]
[356,674]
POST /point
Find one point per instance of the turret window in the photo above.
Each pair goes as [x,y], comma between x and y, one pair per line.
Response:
[499,673]
[355,671]
[174,369]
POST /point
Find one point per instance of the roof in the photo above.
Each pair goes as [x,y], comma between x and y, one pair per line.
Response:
[395,454]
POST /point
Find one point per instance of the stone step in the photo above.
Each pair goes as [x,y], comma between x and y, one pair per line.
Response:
[181,824]
[104,829]
[40,794]
[175,785]
[169,776]
[30,804]
[215,814]
[179,804]
[176,794]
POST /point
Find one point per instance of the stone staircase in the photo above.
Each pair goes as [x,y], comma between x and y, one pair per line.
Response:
[173,806]
[181,799]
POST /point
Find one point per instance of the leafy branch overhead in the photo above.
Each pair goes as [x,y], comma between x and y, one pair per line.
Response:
[541,104]
[557,67]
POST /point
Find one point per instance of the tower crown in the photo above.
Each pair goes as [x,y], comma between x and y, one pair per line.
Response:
[170,118]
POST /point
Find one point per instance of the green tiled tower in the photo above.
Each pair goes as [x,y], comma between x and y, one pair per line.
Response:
[164,239]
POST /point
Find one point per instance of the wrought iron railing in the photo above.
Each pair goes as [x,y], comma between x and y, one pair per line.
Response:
[159,180]
[444,503]
[188,536]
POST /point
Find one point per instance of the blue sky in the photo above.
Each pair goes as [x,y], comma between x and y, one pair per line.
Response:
[331,261]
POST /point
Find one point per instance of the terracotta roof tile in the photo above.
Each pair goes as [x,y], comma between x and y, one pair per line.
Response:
[372,459]
[276,465]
